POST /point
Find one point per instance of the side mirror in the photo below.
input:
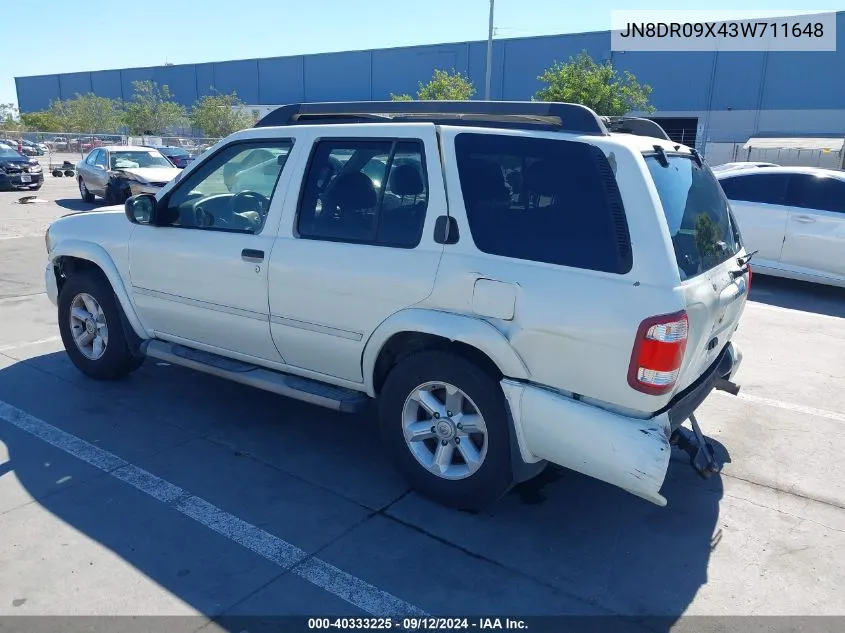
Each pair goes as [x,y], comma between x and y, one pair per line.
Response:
[140,209]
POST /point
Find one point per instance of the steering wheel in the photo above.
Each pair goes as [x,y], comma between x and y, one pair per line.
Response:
[260,202]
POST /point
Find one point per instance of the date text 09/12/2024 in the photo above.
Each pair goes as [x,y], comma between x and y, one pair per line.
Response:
[417,623]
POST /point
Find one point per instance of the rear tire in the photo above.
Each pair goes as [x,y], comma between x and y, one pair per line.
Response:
[478,468]
[92,329]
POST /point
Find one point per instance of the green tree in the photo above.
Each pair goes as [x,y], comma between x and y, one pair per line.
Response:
[42,121]
[61,111]
[218,115]
[89,114]
[597,86]
[444,86]
[9,117]
[152,109]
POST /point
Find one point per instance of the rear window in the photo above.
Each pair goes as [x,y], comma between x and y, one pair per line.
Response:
[543,200]
[700,221]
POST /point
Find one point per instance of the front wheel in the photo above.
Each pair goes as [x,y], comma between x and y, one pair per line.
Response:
[91,327]
[87,196]
[444,422]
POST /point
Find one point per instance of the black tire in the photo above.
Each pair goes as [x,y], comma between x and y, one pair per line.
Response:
[495,475]
[115,196]
[117,359]
[87,196]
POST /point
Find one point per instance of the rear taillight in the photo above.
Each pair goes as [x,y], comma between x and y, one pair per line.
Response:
[658,353]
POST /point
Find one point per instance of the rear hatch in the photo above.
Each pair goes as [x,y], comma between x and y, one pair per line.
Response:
[708,251]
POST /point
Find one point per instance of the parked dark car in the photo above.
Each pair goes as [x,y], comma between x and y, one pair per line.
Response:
[18,171]
[31,149]
[179,156]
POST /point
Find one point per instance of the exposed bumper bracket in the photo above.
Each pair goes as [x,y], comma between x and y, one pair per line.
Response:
[701,452]
[723,384]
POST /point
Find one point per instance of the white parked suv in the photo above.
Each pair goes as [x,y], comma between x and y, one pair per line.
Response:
[512,282]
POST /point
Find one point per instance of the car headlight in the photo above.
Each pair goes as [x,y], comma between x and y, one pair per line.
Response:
[36,167]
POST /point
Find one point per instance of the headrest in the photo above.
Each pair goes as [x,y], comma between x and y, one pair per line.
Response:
[543,177]
[484,181]
[405,180]
[354,192]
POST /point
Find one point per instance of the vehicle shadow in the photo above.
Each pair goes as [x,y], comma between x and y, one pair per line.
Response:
[798,295]
[74,204]
[594,544]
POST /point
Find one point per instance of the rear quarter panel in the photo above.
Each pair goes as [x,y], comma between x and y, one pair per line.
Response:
[574,329]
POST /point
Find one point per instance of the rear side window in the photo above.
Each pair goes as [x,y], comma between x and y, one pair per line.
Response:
[544,200]
[697,212]
[816,192]
[760,188]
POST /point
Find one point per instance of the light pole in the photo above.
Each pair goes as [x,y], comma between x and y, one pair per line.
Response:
[489,55]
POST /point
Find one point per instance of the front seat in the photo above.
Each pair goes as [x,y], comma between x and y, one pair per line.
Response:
[349,209]
[401,224]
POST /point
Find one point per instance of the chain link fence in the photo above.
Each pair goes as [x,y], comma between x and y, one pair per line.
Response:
[58,152]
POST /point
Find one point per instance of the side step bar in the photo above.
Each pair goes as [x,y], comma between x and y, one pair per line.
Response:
[304,389]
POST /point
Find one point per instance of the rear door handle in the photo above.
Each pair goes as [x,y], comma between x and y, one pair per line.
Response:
[804,219]
[252,255]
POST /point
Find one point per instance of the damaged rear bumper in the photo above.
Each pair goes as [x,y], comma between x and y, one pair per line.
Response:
[630,453]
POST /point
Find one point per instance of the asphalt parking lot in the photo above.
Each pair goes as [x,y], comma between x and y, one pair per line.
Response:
[176,493]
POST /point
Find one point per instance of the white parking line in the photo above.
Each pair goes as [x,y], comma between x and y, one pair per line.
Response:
[20,298]
[789,406]
[287,556]
[19,237]
[8,348]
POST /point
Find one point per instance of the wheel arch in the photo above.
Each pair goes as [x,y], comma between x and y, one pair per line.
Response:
[416,329]
[73,255]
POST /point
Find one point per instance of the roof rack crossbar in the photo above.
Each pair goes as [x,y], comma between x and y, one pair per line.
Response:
[635,125]
[569,117]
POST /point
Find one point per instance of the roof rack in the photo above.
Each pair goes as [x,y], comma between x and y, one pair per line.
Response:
[635,125]
[569,117]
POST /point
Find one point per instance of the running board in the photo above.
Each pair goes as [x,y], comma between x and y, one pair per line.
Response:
[304,389]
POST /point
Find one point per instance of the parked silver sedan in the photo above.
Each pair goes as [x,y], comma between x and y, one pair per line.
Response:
[116,172]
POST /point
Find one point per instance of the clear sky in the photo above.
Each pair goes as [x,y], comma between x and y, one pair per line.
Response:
[104,34]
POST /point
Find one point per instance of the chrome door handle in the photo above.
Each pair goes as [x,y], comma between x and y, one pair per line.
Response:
[804,219]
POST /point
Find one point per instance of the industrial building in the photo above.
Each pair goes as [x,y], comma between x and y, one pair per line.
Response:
[713,100]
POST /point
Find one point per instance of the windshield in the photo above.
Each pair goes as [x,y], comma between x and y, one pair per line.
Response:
[8,153]
[138,158]
[700,221]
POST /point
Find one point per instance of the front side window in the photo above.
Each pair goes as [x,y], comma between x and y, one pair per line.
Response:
[100,158]
[231,191]
[700,221]
[543,200]
[365,191]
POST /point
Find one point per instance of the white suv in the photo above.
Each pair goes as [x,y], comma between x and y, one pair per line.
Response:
[512,282]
